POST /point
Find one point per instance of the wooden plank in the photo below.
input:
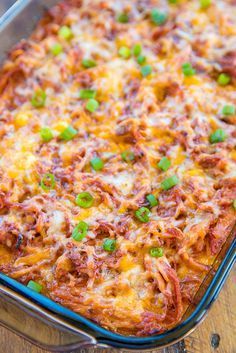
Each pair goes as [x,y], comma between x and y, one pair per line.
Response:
[220,322]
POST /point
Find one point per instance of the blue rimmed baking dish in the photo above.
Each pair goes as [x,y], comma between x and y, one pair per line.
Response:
[30,314]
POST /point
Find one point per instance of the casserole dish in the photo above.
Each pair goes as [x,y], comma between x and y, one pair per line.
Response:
[98,334]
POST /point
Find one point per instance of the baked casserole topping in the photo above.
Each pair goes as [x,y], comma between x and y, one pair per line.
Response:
[118,159]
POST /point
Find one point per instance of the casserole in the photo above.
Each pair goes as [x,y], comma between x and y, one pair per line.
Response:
[123,339]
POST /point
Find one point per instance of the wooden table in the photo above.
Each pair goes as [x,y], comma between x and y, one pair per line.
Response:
[218,329]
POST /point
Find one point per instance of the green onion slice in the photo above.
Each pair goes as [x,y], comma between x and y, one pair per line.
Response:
[92,105]
[156,252]
[204,4]
[35,286]
[39,99]
[80,231]
[124,52]
[48,181]
[141,59]
[87,93]
[109,245]
[127,156]
[137,49]
[188,70]
[46,134]
[218,136]
[84,200]
[88,63]
[223,79]
[146,70]
[123,18]
[168,183]
[56,49]
[158,18]
[152,200]
[142,214]
[68,134]
[234,204]
[97,163]
[164,164]
[65,33]
[228,110]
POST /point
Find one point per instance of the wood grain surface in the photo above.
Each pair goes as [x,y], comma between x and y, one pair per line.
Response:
[217,334]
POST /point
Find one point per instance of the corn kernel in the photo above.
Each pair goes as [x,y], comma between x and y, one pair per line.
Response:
[21,119]
[60,126]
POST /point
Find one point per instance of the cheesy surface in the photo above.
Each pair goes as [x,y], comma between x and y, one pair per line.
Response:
[133,103]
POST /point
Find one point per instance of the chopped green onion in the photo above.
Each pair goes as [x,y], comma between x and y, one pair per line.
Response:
[223,79]
[35,286]
[123,18]
[84,200]
[80,231]
[228,110]
[146,70]
[158,17]
[142,214]
[168,183]
[92,105]
[156,252]
[204,4]
[218,136]
[48,181]
[124,52]
[137,49]
[234,204]
[109,244]
[39,99]
[97,163]
[141,59]
[88,63]
[152,200]
[65,32]
[188,70]
[68,134]
[46,134]
[56,49]
[87,93]
[173,1]
[164,164]
[127,156]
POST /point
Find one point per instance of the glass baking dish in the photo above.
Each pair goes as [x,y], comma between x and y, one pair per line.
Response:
[58,329]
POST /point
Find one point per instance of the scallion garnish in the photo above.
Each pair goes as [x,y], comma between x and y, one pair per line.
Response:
[84,200]
[88,63]
[48,181]
[68,134]
[97,163]
[168,183]
[164,164]
[137,49]
[141,59]
[228,110]
[218,136]
[39,99]
[109,245]
[158,18]
[152,200]
[156,252]
[87,93]
[127,156]
[80,231]
[92,105]
[36,287]
[223,79]
[46,134]
[123,18]
[146,70]
[124,52]
[142,214]
[65,32]
[188,70]
[56,49]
